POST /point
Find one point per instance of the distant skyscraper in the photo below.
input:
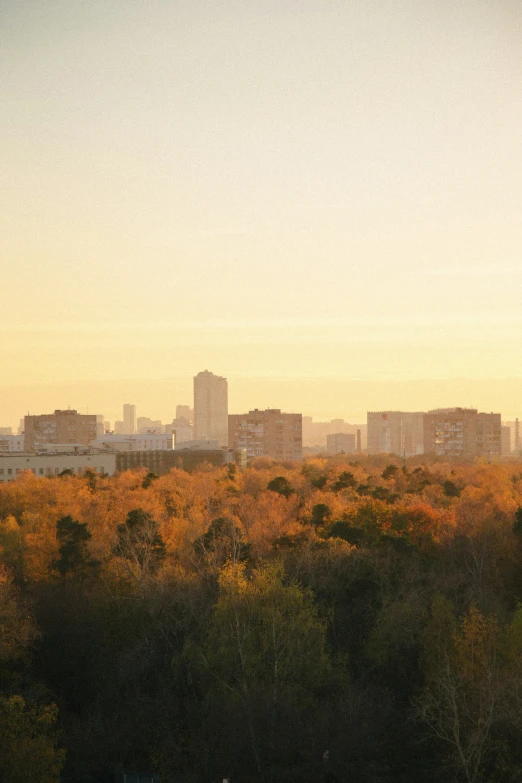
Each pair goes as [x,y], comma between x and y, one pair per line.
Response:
[211,407]
[129,419]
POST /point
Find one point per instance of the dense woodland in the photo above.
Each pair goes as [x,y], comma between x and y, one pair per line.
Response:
[224,623]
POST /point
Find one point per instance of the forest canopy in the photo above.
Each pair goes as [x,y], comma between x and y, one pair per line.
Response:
[323,620]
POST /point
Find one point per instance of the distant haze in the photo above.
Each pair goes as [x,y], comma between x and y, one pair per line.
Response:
[322,398]
[319,201]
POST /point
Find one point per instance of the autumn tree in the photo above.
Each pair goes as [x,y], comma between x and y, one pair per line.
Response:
[464,684]
[18,630]
[73,538]
[267,650]
[29,751]
[139,545]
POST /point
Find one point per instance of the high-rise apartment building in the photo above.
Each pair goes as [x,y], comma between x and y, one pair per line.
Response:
[462,433]
[59,427]
[340,443]
[129,419]
[211,408]
[506,440]
[395,432]
[267,433]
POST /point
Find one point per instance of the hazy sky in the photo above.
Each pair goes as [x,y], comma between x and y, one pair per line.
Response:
[302,190]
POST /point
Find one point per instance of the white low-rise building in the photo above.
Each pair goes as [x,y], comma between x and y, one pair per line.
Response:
[143,441]
[12,443]
[13,465]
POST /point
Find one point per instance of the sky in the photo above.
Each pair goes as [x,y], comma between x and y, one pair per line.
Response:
[319,201]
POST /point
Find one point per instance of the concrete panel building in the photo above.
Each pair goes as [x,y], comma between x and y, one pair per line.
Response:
[268,433]
[395,432]
[46,465]
[462,433]
[67,426]
[506,440]
[12,443]
[211,408]
[144,441]
[340,443]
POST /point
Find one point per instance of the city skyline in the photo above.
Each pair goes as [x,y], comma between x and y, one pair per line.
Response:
[316,397]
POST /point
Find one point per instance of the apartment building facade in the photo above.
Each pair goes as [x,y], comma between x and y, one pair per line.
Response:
[62,426]
[144,441]
[12,466]
[462,433]
[267,433]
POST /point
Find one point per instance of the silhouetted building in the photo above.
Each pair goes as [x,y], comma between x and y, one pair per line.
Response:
[144,441]
[100,425]
[144,424]
[185,412]
[462,433]
[59,427]
[506,440]
[267,433]
[211,407]
[129,419]
[395,432]
[181,428]
[340,443]
[316,432]
[197,445]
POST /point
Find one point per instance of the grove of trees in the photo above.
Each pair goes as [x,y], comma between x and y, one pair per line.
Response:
[326,620]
